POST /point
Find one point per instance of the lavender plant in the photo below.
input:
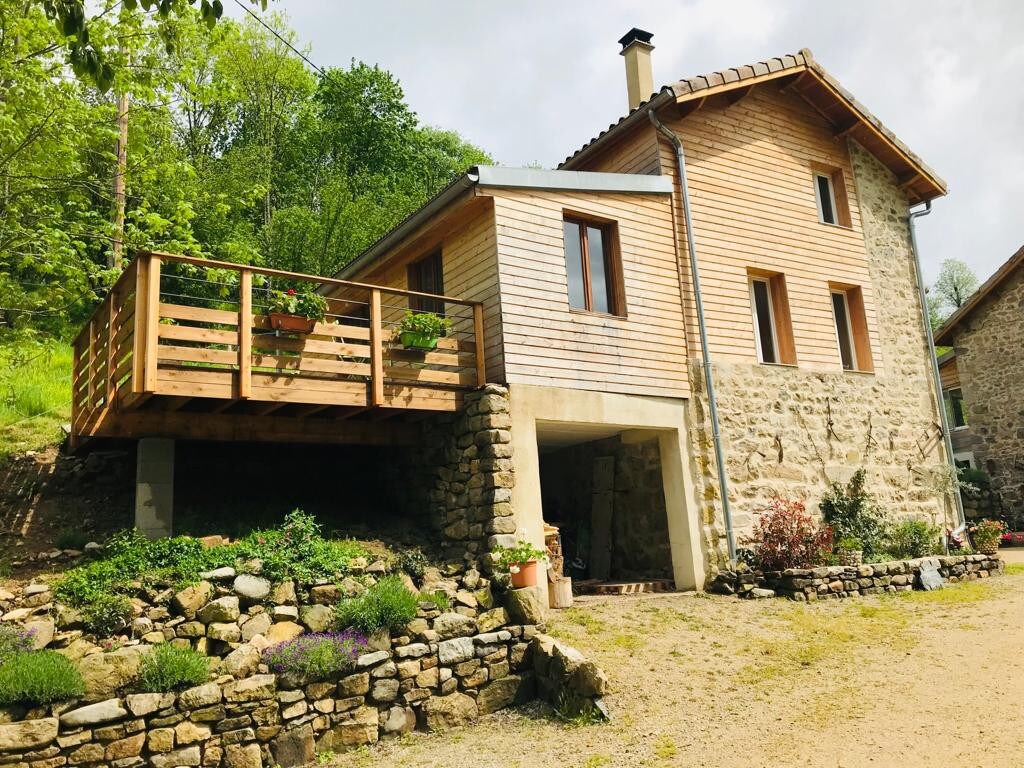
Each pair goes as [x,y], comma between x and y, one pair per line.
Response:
[318,656]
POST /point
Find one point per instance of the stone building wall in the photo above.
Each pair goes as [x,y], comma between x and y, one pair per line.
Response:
[794,431]
[989,348]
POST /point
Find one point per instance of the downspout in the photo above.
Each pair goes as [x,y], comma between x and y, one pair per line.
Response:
[709,382]
[937,379]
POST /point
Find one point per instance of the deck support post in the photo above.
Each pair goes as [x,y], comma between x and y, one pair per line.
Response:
[376,351]
[245,335]
[478,337]
[154,487]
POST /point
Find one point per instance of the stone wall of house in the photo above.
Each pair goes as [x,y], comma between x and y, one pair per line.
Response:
[990,359]
[609,496]
[793,431]
[469,476]
[837,581]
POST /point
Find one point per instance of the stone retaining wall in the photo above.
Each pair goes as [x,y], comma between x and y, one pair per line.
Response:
[838,581]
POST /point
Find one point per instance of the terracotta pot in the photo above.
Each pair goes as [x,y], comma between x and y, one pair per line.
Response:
[525,576]
[293,323]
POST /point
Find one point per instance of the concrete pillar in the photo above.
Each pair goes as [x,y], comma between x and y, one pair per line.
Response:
[154,487]
[684,523]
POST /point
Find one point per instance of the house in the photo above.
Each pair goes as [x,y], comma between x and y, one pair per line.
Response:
[713,300]
[981,378]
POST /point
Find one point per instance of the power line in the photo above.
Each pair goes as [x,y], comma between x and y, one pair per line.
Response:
[275,33]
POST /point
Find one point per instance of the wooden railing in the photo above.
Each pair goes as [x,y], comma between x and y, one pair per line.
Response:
[166,328]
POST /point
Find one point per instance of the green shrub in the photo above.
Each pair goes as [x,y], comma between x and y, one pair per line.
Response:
[39,677]
[388,604]
[107,614]
[439,599]
[914,538]
[412,561]
[13,639]
[170,668]
[853,513]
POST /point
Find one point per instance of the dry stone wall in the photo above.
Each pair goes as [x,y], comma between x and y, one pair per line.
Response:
[793,431]
[837,581]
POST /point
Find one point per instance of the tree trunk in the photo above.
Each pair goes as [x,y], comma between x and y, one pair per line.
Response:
[121,150]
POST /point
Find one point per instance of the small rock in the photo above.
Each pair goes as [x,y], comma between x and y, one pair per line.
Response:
[218,574]
[455,650]
[283,630]
[449,625]
[399,721]
[223,609]
[317,618]
[257,625]
[442,713]
[524,606]
[94,714]
[200,696]
[241,662]
[27,734]
[251,589]
[188,601]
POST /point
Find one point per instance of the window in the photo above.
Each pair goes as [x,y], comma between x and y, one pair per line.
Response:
[591,267]
[769,305]
[427,276]
[851,329]
[830,196]
[955,411]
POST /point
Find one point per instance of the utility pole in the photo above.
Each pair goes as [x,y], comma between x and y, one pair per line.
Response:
[121,150]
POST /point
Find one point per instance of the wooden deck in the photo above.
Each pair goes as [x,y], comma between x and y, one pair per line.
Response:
[182,347]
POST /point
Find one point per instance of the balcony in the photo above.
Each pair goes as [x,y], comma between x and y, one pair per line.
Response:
[183,348]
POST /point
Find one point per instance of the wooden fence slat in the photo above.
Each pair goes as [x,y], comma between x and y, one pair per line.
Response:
[376,351]
[245,335]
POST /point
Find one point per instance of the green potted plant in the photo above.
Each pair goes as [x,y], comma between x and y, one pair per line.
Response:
[986,535]
[421,330]
[521,563]
[296,311]
[850,550]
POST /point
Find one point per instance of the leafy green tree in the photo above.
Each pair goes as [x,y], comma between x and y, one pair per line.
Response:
[955,283]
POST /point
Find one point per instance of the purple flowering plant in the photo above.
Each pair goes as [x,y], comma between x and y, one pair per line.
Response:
[15,639]
[316,656]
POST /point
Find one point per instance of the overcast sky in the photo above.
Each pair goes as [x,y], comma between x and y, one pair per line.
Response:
[531,81]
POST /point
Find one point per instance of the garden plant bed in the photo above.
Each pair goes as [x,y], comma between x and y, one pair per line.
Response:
[838,581]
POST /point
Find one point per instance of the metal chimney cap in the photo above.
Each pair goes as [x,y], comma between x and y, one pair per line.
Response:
[635,35]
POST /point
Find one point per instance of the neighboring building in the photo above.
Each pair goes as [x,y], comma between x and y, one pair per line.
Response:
[574,288]
[982,379]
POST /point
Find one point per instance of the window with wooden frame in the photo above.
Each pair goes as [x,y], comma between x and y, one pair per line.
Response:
[851,328]
[427,276]
[592,266]
[955,411]
[773,329]
[830,195]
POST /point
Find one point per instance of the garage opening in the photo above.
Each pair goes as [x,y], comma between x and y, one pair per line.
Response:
[602,488]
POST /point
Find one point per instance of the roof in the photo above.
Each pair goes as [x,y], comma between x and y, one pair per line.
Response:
[500,177]
[810,81]
[945,332]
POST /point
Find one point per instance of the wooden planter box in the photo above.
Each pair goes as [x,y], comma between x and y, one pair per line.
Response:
[280,321]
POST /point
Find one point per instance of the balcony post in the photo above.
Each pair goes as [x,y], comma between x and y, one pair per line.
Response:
[152,321]
[111,359]
[141,312]
[478,334]
[245,334]
[376,351]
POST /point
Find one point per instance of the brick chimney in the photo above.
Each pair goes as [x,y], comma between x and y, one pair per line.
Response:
[636,49]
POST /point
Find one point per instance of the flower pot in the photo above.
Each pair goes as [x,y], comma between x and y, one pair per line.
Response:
[525,575]
[850,556]
[293,323]
[422,341]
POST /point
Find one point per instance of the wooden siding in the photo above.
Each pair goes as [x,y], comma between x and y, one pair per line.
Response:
[749,168]
[548,343]
[949,374]
[470,264]
[635,152]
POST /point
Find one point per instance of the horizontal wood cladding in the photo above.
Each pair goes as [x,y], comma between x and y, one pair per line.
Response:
[750,169]
[466,239]
[548,343]
[949,374]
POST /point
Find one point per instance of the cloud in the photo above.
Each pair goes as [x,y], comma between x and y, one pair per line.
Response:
[532,80]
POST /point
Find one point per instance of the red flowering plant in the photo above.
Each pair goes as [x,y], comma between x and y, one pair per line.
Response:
[788,537]
[306,304]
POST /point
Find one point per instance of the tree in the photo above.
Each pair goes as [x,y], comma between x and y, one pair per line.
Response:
[955,283]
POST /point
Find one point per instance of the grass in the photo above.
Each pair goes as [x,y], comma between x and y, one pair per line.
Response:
[35,396]
[1014,569]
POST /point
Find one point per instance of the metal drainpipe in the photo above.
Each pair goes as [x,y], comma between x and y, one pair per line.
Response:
[937,379]
[709,382]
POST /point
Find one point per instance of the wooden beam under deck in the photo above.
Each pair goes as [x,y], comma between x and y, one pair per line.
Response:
[232,427]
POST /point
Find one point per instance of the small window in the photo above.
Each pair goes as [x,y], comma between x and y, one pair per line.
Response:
[773,334]
[427,276]
[955,411]
[830,196]
[826,198]
[851,329]
[591,267]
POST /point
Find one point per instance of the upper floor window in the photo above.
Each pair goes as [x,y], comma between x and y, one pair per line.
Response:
[773,333]
[955,411]
[851,329]
[830,196]
[592,267]
[427,276]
